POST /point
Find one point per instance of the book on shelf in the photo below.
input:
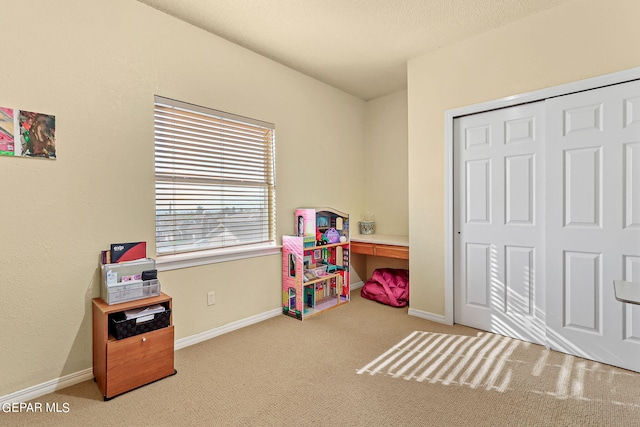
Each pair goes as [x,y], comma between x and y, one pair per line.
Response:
[105,257]
[121,252]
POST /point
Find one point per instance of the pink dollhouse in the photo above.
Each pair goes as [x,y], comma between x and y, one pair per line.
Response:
[315,263]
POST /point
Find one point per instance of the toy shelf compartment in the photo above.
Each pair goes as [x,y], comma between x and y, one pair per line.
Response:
[324,304]
[321,278]
[323,293]
[328,245]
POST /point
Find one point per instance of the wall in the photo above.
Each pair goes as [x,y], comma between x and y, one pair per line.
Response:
[386,160]
[574,41]
[96,66]
[386,157]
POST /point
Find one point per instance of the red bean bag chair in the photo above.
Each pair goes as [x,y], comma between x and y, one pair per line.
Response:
[388,286]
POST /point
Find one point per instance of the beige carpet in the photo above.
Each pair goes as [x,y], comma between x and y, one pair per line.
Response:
[363,364]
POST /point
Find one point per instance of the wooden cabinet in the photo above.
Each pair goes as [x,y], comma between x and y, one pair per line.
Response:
[362,248]
[379,249]
[122,365]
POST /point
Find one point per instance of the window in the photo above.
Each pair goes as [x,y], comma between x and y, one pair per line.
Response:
[215,186]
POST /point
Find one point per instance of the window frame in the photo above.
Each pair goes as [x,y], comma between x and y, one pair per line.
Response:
[191,258]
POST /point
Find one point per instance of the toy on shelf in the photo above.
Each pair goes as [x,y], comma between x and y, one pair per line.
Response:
[320,239]
[332,235]
[315,263]
[332,268]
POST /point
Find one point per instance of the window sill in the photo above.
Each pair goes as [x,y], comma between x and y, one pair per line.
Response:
[194,259]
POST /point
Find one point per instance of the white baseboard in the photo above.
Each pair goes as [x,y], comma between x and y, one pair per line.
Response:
[429,316]
[47,387]
[87,374]
[212,333]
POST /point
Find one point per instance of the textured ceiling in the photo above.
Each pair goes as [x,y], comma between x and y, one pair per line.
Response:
[359,46]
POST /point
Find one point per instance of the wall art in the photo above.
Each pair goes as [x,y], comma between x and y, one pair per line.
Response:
[27,134]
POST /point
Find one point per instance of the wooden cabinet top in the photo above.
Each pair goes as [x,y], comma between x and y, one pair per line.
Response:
[114,308]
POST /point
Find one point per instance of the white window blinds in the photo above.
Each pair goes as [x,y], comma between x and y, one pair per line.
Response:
[214,175]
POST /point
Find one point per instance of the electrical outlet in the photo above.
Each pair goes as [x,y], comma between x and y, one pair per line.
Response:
[211,298]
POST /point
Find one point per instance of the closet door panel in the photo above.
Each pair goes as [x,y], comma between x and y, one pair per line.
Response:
[498,216]
[592,233]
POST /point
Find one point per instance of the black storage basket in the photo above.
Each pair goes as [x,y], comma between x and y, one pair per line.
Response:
[121,328]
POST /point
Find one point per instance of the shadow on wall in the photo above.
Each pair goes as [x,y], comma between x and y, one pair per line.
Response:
[83,341]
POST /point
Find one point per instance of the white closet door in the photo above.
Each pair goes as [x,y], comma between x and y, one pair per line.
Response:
[499,221]
[593,223]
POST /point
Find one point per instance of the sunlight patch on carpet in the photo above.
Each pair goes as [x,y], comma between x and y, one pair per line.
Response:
[496,363]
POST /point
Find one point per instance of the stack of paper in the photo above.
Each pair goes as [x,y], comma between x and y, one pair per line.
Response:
[145,313]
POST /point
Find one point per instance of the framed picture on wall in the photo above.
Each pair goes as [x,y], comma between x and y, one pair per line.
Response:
[37,134]
[27,134]
[7,132]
